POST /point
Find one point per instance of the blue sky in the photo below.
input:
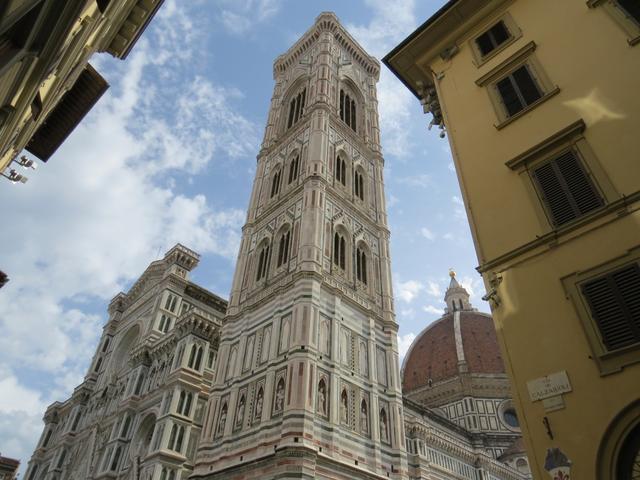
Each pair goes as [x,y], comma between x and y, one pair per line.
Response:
[168,155]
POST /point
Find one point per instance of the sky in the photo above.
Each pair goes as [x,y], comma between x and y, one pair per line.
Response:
[168,155]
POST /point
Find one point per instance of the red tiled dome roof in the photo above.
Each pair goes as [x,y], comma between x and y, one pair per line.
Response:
[433,354]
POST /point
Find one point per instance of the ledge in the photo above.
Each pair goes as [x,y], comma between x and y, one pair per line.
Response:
[504,66]
[553,235]
[538,149]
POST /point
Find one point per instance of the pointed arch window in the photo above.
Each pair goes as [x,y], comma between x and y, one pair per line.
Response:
[164,324]
[296,107]
[361,265]
[358,185]
[339,251]
[344,407]
[275,184]
[116,459]
[263,262]
[283,248]
[348,109]
[98,365]
[293,169]
[341,170]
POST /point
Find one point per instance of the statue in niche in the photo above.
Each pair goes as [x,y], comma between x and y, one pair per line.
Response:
[223,420]
[248,355]
[324,337]
[280,396]
[240,412]
[344,407]
[364,367]
[384,434]
[322,398]
[259,402]
[364,418]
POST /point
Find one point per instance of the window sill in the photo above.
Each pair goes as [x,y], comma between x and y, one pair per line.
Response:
[530,107]
[634,41]
[615,361]
[619,206]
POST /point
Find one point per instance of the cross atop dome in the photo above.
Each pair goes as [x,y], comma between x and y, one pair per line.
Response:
[456,297]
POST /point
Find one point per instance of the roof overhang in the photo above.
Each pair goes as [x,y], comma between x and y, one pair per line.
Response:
[410,60]
[132,27]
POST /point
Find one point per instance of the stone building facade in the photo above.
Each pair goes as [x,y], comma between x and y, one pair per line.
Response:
[138,413]
[298,375]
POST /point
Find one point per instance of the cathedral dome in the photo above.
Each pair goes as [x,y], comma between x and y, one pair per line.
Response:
[462,341]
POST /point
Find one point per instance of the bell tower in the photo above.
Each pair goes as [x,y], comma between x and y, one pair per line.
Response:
[307,384]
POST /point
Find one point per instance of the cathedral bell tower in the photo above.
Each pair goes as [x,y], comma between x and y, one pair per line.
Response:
[307,384]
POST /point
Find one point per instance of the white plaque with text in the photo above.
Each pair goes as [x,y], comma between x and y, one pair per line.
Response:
[549,386]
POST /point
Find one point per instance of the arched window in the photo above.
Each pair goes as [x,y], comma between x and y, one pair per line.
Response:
[192,356]
[361,265]
[296,108]
[263,262]
[116,459]
[358,185]
[460,303]
[198,362]
[341,170]
[163,326]
[125,426]
[172,436]
[105,345]
[187,405]
[293,168]
[348,109]
[275,184]
[283,248]
[98,365]
[163,474]
[61,459]
[339,251]
[47,437]
[181,399]
[179,439]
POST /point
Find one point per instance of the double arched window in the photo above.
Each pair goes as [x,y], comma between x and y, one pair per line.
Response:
[195,357]
[293,168]
[348,109]
[283,248]
[275,183]
[339,251]
[184,403]
[341,170]
[176,438]
[296,108]
[165,323]
[263,262]
[361,265]
[358,184]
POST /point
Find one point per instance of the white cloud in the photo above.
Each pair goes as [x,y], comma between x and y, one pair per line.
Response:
[428,234]
[389,25]
[404,342]
[432,309]
[420,181]
[104,207]
[409,290]
[240,17]
[433,289]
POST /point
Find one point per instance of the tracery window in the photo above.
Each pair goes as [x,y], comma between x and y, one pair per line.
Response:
[361,265]
[293,168]
[170,304]
[341,170]
[283,248]
[275,184]
[176,438]
[263,262]
[347,109]
[195,357]
[339,251]
[184,403]
[164,324]
[296,108]
[358,185]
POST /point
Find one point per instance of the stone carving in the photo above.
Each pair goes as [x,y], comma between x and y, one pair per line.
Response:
[384,434]
[223,420]
[279,404]
[259,404]
[364,418]
[344,408]
[240,412]
[322,398]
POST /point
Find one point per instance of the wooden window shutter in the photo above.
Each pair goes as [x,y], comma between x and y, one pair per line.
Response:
[566,189]
[614,301]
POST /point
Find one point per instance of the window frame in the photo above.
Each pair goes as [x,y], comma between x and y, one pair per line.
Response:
[617,12]
[570,137]
[525,56]
[514,34]
[608,361]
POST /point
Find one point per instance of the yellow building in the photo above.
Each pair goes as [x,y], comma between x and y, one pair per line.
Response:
[46,83]
[540,102]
